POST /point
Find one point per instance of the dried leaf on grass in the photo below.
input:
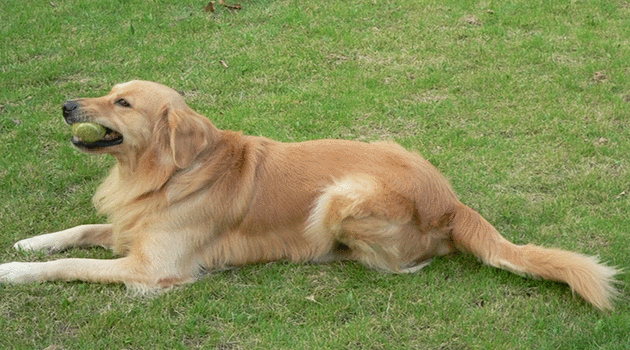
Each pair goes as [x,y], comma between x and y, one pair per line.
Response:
[235,7]
[312,298]
[210,7]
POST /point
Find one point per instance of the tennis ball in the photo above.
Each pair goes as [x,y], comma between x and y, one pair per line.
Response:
[89,132]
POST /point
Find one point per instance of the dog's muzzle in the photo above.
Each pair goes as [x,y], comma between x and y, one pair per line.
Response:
[73,114]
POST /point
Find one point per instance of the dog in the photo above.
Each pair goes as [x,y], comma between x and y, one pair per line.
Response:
[186,197]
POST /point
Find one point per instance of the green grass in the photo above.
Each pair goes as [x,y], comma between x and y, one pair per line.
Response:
[523,105]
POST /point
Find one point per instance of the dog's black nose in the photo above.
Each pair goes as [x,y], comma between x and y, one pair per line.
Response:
[69,107]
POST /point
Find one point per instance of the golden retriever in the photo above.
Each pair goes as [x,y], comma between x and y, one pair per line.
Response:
[185,197]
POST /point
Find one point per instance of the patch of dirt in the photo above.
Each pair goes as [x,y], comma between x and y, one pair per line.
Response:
[599,77]
[430,96]
[368,129]
[473,21]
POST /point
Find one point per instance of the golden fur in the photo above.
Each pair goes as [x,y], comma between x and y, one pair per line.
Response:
[185,196]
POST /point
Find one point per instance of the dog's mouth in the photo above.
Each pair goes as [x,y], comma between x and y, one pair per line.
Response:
[111,138]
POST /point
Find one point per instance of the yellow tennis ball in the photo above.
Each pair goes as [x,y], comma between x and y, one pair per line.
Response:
[89,132]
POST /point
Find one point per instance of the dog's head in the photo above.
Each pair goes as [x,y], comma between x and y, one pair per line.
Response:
[142,120]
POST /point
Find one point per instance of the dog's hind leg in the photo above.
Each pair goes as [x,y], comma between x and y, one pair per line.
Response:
[416,268]
[84,235]
[373,223]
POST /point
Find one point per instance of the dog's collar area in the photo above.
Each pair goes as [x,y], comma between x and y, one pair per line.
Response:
[111,138]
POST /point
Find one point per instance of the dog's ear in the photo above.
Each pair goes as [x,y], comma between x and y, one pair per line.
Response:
[189,134]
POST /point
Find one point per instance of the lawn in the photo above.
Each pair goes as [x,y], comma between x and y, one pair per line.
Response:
[523,105]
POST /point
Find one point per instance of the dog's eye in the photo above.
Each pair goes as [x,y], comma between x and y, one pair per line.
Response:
[123,103]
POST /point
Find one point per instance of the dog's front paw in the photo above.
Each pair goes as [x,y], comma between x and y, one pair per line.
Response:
[42,242]
[18,272]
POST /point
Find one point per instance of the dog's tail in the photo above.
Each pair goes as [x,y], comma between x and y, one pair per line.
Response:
[585,275]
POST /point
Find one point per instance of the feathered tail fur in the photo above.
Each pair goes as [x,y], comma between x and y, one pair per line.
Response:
[584,274]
